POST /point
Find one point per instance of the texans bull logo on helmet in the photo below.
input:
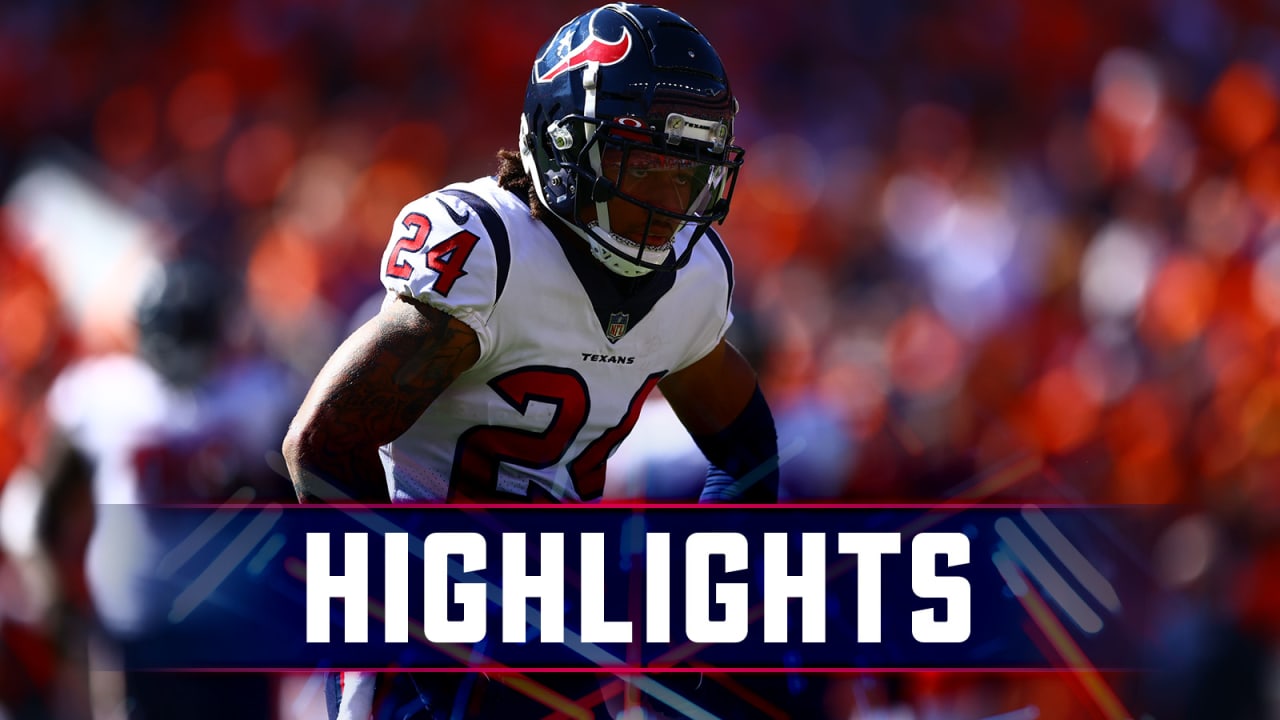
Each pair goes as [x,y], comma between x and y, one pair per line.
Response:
[593,49]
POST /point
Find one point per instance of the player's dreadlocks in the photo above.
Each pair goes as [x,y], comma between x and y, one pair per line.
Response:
[513,178]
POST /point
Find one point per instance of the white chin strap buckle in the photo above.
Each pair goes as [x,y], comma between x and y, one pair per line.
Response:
[616,261]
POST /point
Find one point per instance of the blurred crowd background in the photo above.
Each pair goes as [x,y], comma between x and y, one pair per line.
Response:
[987,250]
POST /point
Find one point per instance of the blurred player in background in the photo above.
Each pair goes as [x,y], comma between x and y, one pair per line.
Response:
[529,315]
[182,420]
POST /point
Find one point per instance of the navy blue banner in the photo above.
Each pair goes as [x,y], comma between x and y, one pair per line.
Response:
[797,587]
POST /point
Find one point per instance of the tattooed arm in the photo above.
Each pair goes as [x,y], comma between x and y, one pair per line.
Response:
[370,391]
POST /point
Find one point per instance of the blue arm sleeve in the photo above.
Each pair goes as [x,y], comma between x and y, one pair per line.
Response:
[744,457]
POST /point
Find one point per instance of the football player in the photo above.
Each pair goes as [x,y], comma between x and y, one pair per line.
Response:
[185,419]
[529,315]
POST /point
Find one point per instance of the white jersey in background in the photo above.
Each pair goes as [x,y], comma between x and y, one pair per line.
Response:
[150,442]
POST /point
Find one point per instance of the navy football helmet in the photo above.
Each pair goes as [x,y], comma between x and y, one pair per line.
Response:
[631,102]
[182,315]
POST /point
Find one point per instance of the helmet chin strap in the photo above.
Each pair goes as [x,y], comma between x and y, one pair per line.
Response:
[605,250]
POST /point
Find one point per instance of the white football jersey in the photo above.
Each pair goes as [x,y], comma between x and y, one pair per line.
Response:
[149,443]
[566,359]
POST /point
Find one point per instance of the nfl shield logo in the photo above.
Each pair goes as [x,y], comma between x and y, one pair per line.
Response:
[617,326]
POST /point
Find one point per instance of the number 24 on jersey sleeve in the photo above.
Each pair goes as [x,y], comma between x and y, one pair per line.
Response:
[446,258]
